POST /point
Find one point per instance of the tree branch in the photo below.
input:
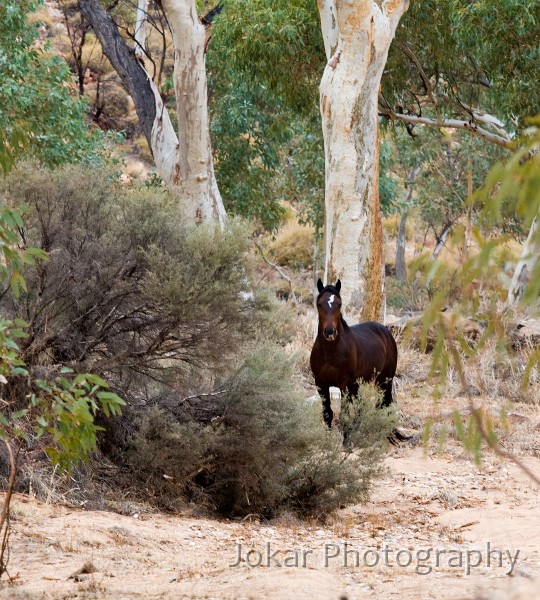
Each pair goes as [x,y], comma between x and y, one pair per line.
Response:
[280,271]
[153,116]
[478,417]
[469,126]
[122,57]
[4,516]
[428,86]
[394,10]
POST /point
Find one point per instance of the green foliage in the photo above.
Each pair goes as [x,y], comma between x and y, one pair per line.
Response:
[64,408]
[471,432]
[12,256]
[438,163]
[36,97]
[304,175]
[11,145]
[11,364]
[485,38]
[264,66]
[473,55]
[280,47]
[388,183]
[511,188]
[247,130]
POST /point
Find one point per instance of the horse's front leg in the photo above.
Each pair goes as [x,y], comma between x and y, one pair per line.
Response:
[351,389]
[328,414]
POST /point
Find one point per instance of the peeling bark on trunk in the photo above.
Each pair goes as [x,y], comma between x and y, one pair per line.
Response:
[357,36]
[525,266]
[184,161]
[194,167]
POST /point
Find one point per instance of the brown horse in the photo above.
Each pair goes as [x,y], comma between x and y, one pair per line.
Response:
[343,355]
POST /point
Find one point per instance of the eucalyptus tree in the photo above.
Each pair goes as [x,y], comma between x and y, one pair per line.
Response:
[266,63]
[182,155]
[357,37]
[472,74]
[39,116]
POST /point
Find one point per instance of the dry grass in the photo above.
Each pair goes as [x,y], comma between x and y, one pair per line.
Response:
[495,383]
[391,224]
[293,246]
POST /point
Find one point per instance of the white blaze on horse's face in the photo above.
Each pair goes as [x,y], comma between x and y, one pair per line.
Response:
[329,317]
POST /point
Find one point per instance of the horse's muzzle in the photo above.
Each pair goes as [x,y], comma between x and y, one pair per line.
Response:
[330,334]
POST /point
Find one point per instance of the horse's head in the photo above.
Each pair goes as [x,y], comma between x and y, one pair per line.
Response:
[329,308]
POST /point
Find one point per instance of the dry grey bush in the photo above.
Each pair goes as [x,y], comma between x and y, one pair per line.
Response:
[126,287]
[157,309]
[261,450]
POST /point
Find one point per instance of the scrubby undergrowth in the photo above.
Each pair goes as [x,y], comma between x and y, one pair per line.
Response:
[256,447]
[171,318]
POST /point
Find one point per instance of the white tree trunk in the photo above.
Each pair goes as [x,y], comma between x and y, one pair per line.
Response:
[193,166]
[357,36]
[183,160]
[441,241]
[401,244]
[525,266]
[141,29]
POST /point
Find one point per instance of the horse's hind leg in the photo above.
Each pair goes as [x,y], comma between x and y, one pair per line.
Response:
[396,436]
[386,387]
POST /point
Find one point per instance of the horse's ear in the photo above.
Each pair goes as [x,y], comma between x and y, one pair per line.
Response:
[320,286]
[338,285]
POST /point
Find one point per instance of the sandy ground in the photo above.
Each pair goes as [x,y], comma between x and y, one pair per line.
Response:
[429,515]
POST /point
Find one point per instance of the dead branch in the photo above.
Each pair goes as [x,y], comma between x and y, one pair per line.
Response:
[280,272]
[4,515]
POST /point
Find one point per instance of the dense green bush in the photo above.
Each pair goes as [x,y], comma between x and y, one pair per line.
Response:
[36,95]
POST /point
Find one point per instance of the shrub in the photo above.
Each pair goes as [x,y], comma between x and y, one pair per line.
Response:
[255,447]
[159,311]
[126,286]
[405,295]
[61,411]
[365,424]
